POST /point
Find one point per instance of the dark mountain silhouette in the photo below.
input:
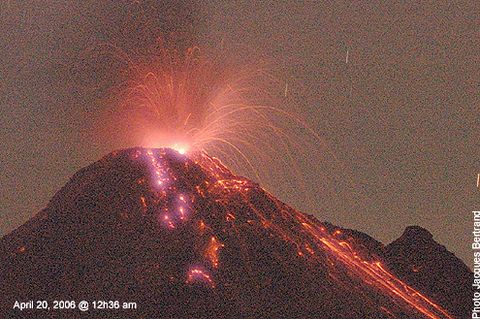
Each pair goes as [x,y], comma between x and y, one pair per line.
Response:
[431,268]
[183,237]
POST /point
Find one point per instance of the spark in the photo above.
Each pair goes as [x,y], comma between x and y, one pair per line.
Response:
[186,120]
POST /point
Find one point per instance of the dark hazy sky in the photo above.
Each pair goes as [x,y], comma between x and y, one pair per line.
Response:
[402,114]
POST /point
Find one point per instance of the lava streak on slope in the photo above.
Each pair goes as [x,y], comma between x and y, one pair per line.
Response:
[225,185]
[187,238]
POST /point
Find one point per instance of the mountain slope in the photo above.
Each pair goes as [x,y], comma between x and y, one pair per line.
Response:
[183,237]
[424,264]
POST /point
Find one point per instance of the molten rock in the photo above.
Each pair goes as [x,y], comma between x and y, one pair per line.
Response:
[183,237]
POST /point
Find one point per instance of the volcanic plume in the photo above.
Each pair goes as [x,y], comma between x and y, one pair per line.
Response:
[184,237]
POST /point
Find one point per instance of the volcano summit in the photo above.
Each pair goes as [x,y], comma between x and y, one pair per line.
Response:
[183,237]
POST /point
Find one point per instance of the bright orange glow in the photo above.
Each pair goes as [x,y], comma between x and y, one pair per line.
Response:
[339,250]
[376,273]
[202,226]
[143,201]
[211,253]
[311,239]
[182,149]
[197,274]
[228,104]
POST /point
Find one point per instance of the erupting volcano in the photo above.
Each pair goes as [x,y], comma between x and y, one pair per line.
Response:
[184,237]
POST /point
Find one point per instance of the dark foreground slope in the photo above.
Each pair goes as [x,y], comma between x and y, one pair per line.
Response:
[183,237]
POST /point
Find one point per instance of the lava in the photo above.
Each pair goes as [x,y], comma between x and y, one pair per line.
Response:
[207,243]
[225,185]
[232,106]
[211,253]
[198,275]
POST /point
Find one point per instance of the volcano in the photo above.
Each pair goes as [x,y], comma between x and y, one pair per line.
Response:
[151,233]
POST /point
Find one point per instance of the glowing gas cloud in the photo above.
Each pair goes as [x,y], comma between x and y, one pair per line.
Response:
[191,101]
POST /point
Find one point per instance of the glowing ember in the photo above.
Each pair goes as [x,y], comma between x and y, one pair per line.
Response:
[198,275]
[211,253]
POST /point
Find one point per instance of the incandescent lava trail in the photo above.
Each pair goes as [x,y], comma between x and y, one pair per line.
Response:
[186,238]
[307,234]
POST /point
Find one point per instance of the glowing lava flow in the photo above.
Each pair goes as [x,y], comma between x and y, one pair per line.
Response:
[306,234]
[159,174]
[375,271]
[370,271]
[211,252]
[196,274]
[170,211]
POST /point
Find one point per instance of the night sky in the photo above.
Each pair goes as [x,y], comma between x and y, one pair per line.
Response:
[399,112]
